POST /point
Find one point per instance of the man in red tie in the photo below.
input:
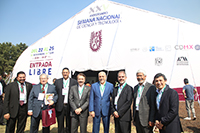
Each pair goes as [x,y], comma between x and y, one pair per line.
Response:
[15,103]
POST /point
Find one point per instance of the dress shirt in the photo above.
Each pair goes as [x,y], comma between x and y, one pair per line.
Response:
[66,86]
[1,89]
[103,86]
[120,88]
[80,90]
[158,98]
[20,93]
[139,94]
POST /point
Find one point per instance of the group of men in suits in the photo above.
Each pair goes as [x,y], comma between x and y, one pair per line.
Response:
[153,105]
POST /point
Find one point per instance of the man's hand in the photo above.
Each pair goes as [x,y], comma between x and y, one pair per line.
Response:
[7,116]
[159,125]
[30,113]
[78,111]
[92,114]
[51,102]
[116,114]
[151,124]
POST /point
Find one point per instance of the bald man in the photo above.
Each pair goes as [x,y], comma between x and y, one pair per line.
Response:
[99,105]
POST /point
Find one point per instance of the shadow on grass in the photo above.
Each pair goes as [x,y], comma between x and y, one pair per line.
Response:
[194,129]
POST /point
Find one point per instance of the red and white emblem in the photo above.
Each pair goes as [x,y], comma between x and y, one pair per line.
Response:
[96,40]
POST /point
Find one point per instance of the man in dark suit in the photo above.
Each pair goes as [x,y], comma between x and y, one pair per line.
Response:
[167,101]
[144,107]
[121,104]
[16,103]
[79,102]
[36,102]
[63,86]
[99,105]
[2,92]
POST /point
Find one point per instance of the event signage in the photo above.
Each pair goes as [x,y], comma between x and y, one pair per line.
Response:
[41,60]
[100,17]
[158,61]
[96,40]
[182,61]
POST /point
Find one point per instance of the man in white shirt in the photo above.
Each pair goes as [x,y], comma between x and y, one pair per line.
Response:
[144,106]
[63,86]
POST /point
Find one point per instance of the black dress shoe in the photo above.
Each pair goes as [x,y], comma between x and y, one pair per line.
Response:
[3,124]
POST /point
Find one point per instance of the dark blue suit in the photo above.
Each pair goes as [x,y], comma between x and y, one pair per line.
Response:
[36,105]
[100,105]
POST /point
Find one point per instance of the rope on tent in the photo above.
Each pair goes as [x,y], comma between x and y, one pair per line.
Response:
[113,44]
[65,45]
[175,54]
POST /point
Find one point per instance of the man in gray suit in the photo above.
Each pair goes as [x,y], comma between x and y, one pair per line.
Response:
[79,101]
[36,102]
[144,106]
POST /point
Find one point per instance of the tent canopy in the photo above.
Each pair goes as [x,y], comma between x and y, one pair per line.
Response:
[112,36]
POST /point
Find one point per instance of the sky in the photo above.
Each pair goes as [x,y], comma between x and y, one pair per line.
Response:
[26,21]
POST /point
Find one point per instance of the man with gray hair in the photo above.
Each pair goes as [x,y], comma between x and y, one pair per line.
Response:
[99,104]
[144,106]
[36,102]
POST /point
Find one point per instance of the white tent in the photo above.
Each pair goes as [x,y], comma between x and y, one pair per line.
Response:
[111,36]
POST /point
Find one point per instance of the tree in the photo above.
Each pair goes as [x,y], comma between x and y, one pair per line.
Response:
[9,54]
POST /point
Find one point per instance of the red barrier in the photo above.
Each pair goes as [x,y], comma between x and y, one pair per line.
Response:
[181,97]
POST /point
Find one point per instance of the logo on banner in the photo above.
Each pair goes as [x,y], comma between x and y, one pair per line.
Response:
[158,61]
[98,8]
[183,47]
[182,61]
[152,48]
[41,61]
[96,40]
[167,48]
[197,47]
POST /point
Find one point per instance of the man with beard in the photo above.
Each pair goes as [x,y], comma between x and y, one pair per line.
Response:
[79,102]
[121,104]
[99,105]
[167,101]
[16,103]
[144,106]
[63,86]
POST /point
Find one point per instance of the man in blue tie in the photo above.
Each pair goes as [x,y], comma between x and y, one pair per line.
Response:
[99,105]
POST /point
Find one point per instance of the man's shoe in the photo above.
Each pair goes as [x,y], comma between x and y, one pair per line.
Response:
[187,118]
[194,118]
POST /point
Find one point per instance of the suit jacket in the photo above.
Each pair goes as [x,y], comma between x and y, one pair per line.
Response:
[34,104]
[123,104]
[168,111]
[97,102]
[147,105]
[77,102]
[59,86]
[11,100]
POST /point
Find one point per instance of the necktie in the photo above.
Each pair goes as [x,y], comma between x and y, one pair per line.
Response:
[22,91]
[43,91]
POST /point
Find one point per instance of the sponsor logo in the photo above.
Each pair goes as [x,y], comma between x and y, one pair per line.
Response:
[134,49]
[182,61]
[197,47]
[167,48]
[98,8]
[96,40]
[152,48]
[145,49]
[158,61]
[183,47]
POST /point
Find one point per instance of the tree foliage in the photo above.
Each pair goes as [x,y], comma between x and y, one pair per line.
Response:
[9,54]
